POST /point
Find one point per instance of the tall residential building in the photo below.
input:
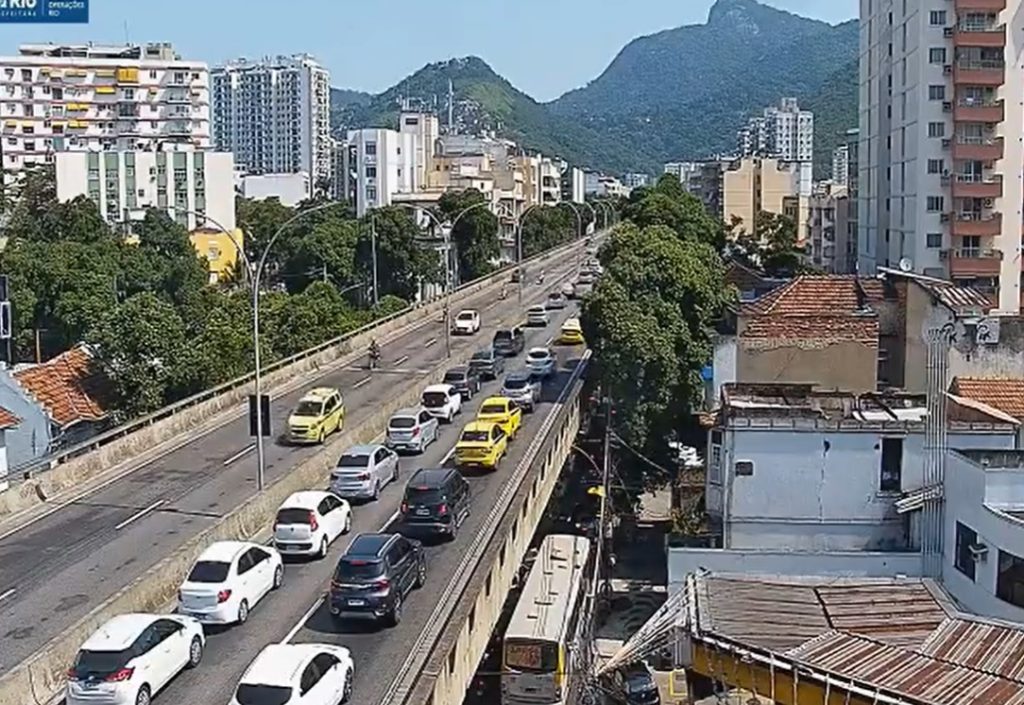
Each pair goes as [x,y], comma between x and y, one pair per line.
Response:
[941,157]
[840,164]
[753,185]
[90,97]
[849,265]
[274,115]
[634,180]
[783,132]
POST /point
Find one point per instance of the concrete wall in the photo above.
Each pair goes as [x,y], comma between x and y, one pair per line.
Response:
[31,438]
[849,366]
[1006,359]
[819,490]
[868,564]
[723,367]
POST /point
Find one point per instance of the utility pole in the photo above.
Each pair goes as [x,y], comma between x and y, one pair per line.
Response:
[606,470]
[519,256]
[373,255]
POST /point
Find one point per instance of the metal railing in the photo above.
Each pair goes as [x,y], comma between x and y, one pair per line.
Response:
[51,460]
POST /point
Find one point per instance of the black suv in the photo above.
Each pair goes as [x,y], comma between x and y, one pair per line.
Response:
[509,341]
[487,363]
[466,381]
[374,576]
[436,503]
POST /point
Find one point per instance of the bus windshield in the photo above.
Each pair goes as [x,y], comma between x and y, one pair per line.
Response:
[531,656]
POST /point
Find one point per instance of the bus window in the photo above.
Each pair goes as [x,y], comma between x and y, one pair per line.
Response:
[531,657]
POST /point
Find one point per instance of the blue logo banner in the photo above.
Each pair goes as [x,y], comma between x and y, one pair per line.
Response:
[44,11]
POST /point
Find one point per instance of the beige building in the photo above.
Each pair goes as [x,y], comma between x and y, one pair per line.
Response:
[752,185]
[828,228]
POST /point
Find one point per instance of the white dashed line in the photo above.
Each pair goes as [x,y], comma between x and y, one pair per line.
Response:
[400,360]
[361,382]
[5,595]
[430,342]
[240,454]
[138,515]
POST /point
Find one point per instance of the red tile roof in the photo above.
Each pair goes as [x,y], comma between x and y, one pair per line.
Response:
[70,387]
[825,309]
[1005,394]
[7,419]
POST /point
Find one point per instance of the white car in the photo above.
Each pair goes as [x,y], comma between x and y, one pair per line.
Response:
[537,316]
[540,361]
[442,401]
[227,581]
[308,522]
[467,322]
[297,674]
[568,290]
[131,657]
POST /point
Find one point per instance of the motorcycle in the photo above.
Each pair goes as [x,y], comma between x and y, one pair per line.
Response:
[374,357]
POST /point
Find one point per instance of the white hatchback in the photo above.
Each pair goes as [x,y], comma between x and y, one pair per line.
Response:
[537,316]
[308,522]
[466,322]
[541,362]
[442,401]
[131,657]
[227,581]
[297,674]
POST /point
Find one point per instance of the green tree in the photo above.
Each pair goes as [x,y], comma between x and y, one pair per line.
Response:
[260,220]
[773,246]
[305,320]
[475,236]
[403,264]
[328,250]
[221,343]
[546,227]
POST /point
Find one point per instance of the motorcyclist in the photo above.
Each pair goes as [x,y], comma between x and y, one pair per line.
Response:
[540,277]
[504,290]
[374,353]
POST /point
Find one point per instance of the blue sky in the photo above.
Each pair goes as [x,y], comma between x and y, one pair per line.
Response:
[544,47]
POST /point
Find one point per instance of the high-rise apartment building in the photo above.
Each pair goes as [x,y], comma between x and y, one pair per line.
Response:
[784,132]
[90,97]
[941,158]
[840,165]
[274,115]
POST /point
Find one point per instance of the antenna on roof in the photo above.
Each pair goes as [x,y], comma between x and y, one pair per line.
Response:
[906,264]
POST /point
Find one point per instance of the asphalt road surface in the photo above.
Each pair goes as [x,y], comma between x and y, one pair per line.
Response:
[57,568]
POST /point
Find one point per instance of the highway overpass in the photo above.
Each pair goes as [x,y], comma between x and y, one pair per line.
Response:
[65,562]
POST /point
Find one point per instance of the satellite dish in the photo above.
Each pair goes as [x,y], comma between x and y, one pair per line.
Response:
[906,265]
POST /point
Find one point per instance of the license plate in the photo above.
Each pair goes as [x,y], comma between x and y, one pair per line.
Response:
[422,512]
[91,685]
[356,603]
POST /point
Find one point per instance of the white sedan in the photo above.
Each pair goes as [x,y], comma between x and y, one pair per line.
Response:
[228,579]
[308,522]
[297,674]
[541,362]
[467,322]
[442,401]
[132,657]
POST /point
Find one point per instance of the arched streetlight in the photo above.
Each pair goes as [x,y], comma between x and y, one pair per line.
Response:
[576,212]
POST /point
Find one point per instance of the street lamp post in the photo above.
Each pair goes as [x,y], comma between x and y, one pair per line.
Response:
[579,218]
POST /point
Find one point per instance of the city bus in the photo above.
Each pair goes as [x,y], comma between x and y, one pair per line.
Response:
[536,658]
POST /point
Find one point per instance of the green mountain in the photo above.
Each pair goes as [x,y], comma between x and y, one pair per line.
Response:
[677,94]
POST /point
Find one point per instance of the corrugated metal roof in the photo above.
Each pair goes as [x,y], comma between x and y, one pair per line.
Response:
[985,646]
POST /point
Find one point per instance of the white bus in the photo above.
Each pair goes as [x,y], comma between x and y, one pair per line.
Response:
[536,651]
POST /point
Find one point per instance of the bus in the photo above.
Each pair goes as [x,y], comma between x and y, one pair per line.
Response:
[536,659]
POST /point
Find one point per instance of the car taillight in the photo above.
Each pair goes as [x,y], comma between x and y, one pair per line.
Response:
[119,676]
[335,585]
[442,509]
[312,521]
[363,476]
[382,584]
[223,596]
[405,507]
[416,432]
[72,674]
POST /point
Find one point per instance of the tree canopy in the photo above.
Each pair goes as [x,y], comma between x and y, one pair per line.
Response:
[475,235]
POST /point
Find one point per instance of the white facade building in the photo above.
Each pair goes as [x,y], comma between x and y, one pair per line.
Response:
[289,189]
[184,184]
[274,115]
[940,151]
[56,98]
[634,180]
[784,132]
[379,163]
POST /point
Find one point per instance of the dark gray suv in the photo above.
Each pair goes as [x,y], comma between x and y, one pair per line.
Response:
[488,363]
[373,577]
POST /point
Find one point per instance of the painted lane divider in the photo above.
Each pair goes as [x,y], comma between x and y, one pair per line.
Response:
[240,454]
[139,514]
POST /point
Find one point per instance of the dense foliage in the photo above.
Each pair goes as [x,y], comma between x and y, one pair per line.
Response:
[475,235]
[677,94]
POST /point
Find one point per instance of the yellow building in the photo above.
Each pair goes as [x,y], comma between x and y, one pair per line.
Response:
[219,250]
[752,185]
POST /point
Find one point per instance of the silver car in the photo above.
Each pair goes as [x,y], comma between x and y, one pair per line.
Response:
[362,472]
[412,430]
[537,316]
[524,388]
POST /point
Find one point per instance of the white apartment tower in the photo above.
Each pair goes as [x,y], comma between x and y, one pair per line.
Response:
[940,155]
[784,132]
[274,115]
[90,97]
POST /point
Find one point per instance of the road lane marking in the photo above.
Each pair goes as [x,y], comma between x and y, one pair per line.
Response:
[361,382]
[320,600]
[139,514]
[5,595]
[430,342]
[242,453]
[402,359]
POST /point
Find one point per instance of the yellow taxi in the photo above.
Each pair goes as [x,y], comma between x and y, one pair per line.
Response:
[572,333]
[504,412]
[319,413]
[482,445]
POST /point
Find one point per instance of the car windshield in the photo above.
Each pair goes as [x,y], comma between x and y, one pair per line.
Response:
[538,310]
[492,409]
[248,694]
[209,572]
[353,461]
[293,515]
[402,422]
[357,569]
[454,377]
[308,408]
[100,663]
[503,335]
[538,355]
[466,316]
[554,295]
[434,399]
[482,356]
[475,436]
[516,383]
[423,495]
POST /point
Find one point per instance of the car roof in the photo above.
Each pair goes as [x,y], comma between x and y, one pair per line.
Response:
[539,349]
[539,308]
[318,393]
[519,374]
[408,411]
[279,664]
[224,551]
[479,425]
[497,399]
[484,352]
[306,499]
[446,388]
[363,450]
[466,310]
[368,544]
[571,323]
[462,369]
[118,633]
[430,477]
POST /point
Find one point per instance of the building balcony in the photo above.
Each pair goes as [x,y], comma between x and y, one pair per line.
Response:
[980,224]
[969,35]
[979,73]
[976,111]
[977,186]
[973,262]
[963,6]
[977,149]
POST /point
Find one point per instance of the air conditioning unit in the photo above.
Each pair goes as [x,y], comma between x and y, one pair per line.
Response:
[989,202]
